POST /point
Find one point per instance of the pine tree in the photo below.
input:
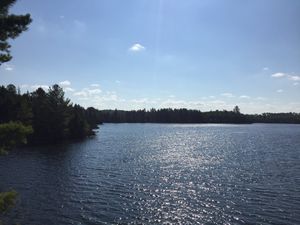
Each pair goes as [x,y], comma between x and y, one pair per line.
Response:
[11,26]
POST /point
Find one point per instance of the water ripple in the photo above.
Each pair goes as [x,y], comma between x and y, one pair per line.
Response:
[160,174]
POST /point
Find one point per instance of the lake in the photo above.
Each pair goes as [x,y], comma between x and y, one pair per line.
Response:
[160,174]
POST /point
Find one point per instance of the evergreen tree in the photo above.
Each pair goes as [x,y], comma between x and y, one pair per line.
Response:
[60,116]
[11,26]
[41,115]
[236,110]
[78,126]
[13,134]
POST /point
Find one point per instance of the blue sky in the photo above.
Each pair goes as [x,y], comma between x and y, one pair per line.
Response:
[162,53]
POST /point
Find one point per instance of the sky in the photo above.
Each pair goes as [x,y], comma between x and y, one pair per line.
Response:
[133,54]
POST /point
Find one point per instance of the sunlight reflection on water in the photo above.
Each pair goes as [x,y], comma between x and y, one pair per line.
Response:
[160,174]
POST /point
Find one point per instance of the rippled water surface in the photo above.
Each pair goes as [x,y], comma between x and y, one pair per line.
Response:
[160,174]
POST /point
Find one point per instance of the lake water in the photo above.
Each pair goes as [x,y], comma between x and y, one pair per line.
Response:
[160,174]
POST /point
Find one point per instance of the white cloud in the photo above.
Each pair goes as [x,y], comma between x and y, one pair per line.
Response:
[261,98]
[118,82]
[24,86]
[65,83]
[174,104]
[296,83]
[278,75]
[279,91]
[290,77]
[228,95]
[95,85]
[109,97]
[294,78]
[143,100]
[265,68]
[68,89]
[8,67]
[81,94]
[87,92]
[245,96]
[94,91]
[137,48]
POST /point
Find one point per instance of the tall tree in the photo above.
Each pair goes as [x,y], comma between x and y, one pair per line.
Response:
[60,114]
[11,26]
[236,110]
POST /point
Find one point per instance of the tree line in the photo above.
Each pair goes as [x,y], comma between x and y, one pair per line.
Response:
[183,115]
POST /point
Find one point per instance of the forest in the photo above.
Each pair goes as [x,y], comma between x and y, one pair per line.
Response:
[46,117]
[194,116]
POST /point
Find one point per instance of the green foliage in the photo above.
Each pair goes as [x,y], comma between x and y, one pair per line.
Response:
[51,115]
[13,134]
[194,116]
[59,116]
[78,126]
[7,200]
[11,26]
[14,107]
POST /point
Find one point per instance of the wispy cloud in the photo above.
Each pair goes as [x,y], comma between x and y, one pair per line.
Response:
[68,89]
[137,48]
[95,85]
[228,95]
[296,83]
[88,92]
[143,100]
[94,91]
[261,98]
[81,94]
[65,83]
[294,78]
[66,86]
[279,91]
[278,75]
[286,75]
[245,96]
[8,67]
[24,86]
[266,69]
